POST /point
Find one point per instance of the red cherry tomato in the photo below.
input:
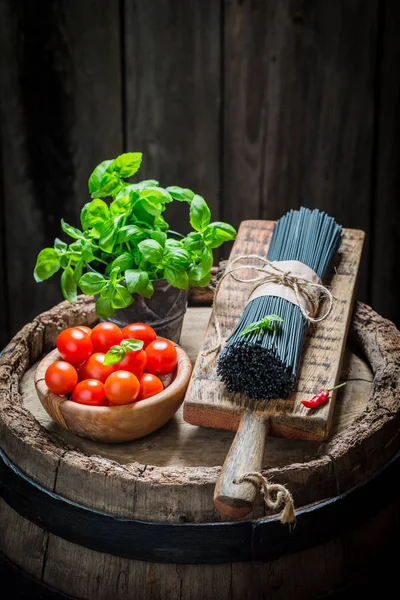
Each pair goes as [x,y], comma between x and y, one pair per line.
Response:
[74,345]
[135,362]
[94,368]
[150,385]
[84,328]
[105,335]
[122,387]
[162,357]
[140,331]
[61,377]
[90,392]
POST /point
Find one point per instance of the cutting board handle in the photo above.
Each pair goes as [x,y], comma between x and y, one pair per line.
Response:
[246,454]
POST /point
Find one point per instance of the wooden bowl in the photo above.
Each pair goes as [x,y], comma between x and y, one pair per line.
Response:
[113,424]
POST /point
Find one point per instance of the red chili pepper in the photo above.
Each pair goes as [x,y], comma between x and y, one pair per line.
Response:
[320,398]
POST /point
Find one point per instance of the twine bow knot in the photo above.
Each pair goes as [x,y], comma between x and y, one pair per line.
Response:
[304,290]
[282,495]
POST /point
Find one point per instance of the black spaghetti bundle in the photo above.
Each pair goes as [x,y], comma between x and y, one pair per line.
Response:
[264,364]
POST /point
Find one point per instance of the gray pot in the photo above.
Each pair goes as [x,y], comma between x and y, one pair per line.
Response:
[164,311]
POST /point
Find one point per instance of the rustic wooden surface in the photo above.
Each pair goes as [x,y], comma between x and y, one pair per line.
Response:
[179,443]
[259,106]
[299,104]
[172,96]
[52,140]
[208,404]
[83,573]
[385,272]
[163,481]
[62,466]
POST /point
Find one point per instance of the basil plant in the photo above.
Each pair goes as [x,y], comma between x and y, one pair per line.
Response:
[127,242]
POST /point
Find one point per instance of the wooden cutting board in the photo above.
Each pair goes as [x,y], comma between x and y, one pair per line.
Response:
[207,402]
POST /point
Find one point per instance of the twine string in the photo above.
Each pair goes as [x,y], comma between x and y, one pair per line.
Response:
[270,273]
[282,495]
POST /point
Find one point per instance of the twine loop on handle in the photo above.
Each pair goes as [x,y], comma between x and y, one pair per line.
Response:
[283,496]
[306,292]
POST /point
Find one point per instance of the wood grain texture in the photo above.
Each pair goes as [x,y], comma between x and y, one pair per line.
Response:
[60,109]
[117,423]
[299,110]
[207,402]
[232,498]
[21,541]
[172,80]
[385,269]
[181,491]
[179,443]
[93,575]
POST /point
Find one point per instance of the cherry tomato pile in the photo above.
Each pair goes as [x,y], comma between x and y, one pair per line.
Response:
[87,374]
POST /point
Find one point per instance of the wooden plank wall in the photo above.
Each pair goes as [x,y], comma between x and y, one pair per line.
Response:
[258,105]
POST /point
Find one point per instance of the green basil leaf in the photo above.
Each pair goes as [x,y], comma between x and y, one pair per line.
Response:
[71,231]
[92,283]
[151,251]
[47,263]
[60,246]
[217,233]
[138,282]
[181,194]
[171,243]
[177,277]
[94,214]
[142,185]
[104,308]
[127,164]
[122,205]
[199,214]
[68,285]
[64,260]
[123,261]
[121,298]
[114,356]
[106,291]
[78,271]
[197,276]
[193,241]
[160,237]
[204,280]
[97,176]
[110,185]
[132,345]
[161,223]
[147,206]
[155,195]
[141,214]
[270,323]
[177,257]
[129,233]
[83,216]
[109,233]
[206,261]
[87,253]
[76,247]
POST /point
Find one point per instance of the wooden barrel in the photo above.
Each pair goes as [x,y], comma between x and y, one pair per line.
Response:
[136,520]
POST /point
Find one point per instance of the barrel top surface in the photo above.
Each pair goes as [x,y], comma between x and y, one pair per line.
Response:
[180,444]
[174,470]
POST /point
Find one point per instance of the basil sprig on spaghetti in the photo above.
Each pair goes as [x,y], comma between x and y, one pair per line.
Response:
[269,323]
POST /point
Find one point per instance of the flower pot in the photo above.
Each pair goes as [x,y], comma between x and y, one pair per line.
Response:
[164,311]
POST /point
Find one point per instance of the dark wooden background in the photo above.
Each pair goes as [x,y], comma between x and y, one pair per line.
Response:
[259,105]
